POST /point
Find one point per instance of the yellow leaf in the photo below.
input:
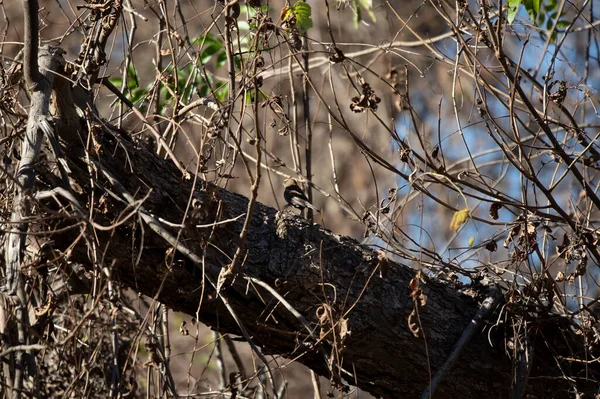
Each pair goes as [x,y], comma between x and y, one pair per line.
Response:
[285,13]
[459,218]
[471,241]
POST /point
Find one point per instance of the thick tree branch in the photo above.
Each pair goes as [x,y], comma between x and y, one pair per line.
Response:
[359,321]
[39,86]
[30,58]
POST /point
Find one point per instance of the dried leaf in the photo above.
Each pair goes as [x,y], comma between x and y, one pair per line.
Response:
[343,328]
[412,325]
[154,358]
[459,218]
[491,246]
[324,315]
[494,208]
[559,95]
[223,275]
[177,36]
[511,235]
[383,264]
[435,152]
[416,293]
[368,99]
[169,258]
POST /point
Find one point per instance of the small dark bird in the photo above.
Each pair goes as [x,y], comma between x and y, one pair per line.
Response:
[295,197]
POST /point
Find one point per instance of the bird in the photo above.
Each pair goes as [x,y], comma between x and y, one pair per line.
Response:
[294,195]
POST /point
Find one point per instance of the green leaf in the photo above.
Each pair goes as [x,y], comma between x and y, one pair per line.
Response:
[209,46]
[116,81]
[252,12]
[357,15]
[221,91]
[533,9]
[303,14]
[368,5]
[209,51]
[512,7]
[550,5]
[357,6]
[132,92]
[221,59]
[244,26]
[536,6]
[204,91]
[137,95]
[183,74]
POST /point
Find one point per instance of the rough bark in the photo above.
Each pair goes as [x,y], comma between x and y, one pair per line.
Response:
[316,271]
[40,87]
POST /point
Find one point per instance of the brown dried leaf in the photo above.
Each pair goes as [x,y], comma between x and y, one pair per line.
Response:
[223,275]
[177,36]
[416,293]
[435,152]
[383,264]
[491,246]
[169,257]
[512,234]
[494,208]
[343,328]
[324,315]
[154,359]
[412,325]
